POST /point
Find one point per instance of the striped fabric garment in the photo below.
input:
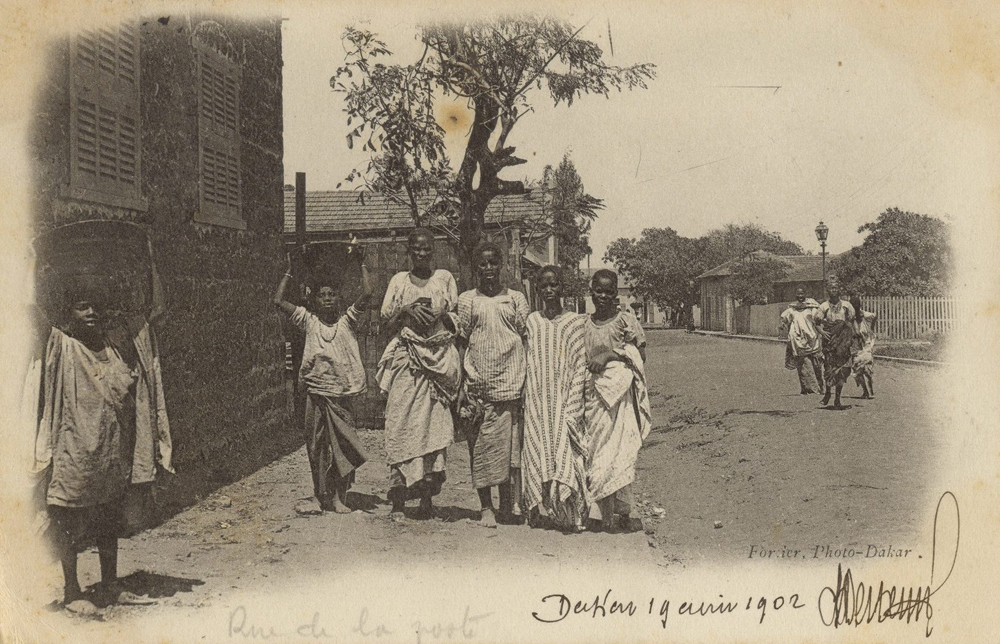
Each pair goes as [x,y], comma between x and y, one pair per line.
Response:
[494,328]
[554,453]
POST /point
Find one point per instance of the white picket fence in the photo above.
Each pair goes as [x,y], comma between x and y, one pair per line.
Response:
[899,318]
[913,318]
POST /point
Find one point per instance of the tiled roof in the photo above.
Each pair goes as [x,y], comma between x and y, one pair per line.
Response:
[802,268]
[338,211]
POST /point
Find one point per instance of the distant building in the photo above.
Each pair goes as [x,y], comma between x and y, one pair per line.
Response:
[718,309]
[339,216]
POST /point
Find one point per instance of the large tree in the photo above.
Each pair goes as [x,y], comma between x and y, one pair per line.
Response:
[499,67]
[736,241]
[662,265]
[568,215]
[752,278]
[904,253]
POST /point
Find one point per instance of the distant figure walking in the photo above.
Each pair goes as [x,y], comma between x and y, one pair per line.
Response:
[617,403]
[555,436]
[804,350]
[420,372]
[837,324]
[864,346]
[333,374]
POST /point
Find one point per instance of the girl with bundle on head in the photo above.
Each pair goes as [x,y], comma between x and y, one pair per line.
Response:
[491,327]
[102,431]
[553,461]
[863,358]
[332,374]
[420,372]
[617,409]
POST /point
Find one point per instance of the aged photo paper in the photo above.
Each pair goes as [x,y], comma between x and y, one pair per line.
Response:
[224,179]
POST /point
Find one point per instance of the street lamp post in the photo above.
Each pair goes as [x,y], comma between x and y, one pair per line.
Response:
[821,232]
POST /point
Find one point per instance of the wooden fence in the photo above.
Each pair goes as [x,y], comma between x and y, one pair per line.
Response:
[764,319]
[913,318]
[899,318]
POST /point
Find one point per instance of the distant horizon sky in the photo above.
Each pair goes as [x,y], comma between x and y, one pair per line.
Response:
[853,127]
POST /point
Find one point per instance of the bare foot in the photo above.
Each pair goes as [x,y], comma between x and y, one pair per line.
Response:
[71,594]
[83,607]
[340,507]
[487,519]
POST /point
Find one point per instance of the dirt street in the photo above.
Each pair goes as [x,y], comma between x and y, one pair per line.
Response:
[737,458]
[734,442]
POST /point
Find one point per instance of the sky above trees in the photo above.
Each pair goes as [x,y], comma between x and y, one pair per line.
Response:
[862,120]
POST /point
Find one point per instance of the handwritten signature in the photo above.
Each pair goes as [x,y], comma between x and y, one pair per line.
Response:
[855,603]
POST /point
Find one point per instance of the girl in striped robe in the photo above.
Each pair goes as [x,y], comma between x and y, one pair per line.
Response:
[553,461]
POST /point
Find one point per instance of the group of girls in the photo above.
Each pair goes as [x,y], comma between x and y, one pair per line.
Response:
[829,342]
[552,404]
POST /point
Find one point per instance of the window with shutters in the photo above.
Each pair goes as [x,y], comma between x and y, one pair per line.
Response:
[219,138]
[104,116]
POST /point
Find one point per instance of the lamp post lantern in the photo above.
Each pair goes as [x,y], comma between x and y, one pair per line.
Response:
[821,232]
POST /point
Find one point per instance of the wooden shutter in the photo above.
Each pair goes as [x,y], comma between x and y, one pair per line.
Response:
[219,138]
[104,128]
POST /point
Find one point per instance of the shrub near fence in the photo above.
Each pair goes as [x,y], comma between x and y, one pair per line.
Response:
[899,318]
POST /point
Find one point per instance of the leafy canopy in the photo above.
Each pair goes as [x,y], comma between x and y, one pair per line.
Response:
[663,265]
[498,66]
[903,253]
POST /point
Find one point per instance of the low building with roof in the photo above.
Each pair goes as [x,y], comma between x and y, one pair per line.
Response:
[718,309]
[340,216]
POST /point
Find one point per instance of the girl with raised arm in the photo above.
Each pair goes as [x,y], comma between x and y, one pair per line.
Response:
[332,374]
[102,433]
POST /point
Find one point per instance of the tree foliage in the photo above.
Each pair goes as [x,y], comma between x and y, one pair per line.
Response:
[498,66]
[570,211]
[663,265]
[735,241]
[752,278]
[903,253]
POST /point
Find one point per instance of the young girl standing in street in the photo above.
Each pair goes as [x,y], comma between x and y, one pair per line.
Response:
[332,374]
[555,451]
[491,321]
[617,405]
[420,372]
